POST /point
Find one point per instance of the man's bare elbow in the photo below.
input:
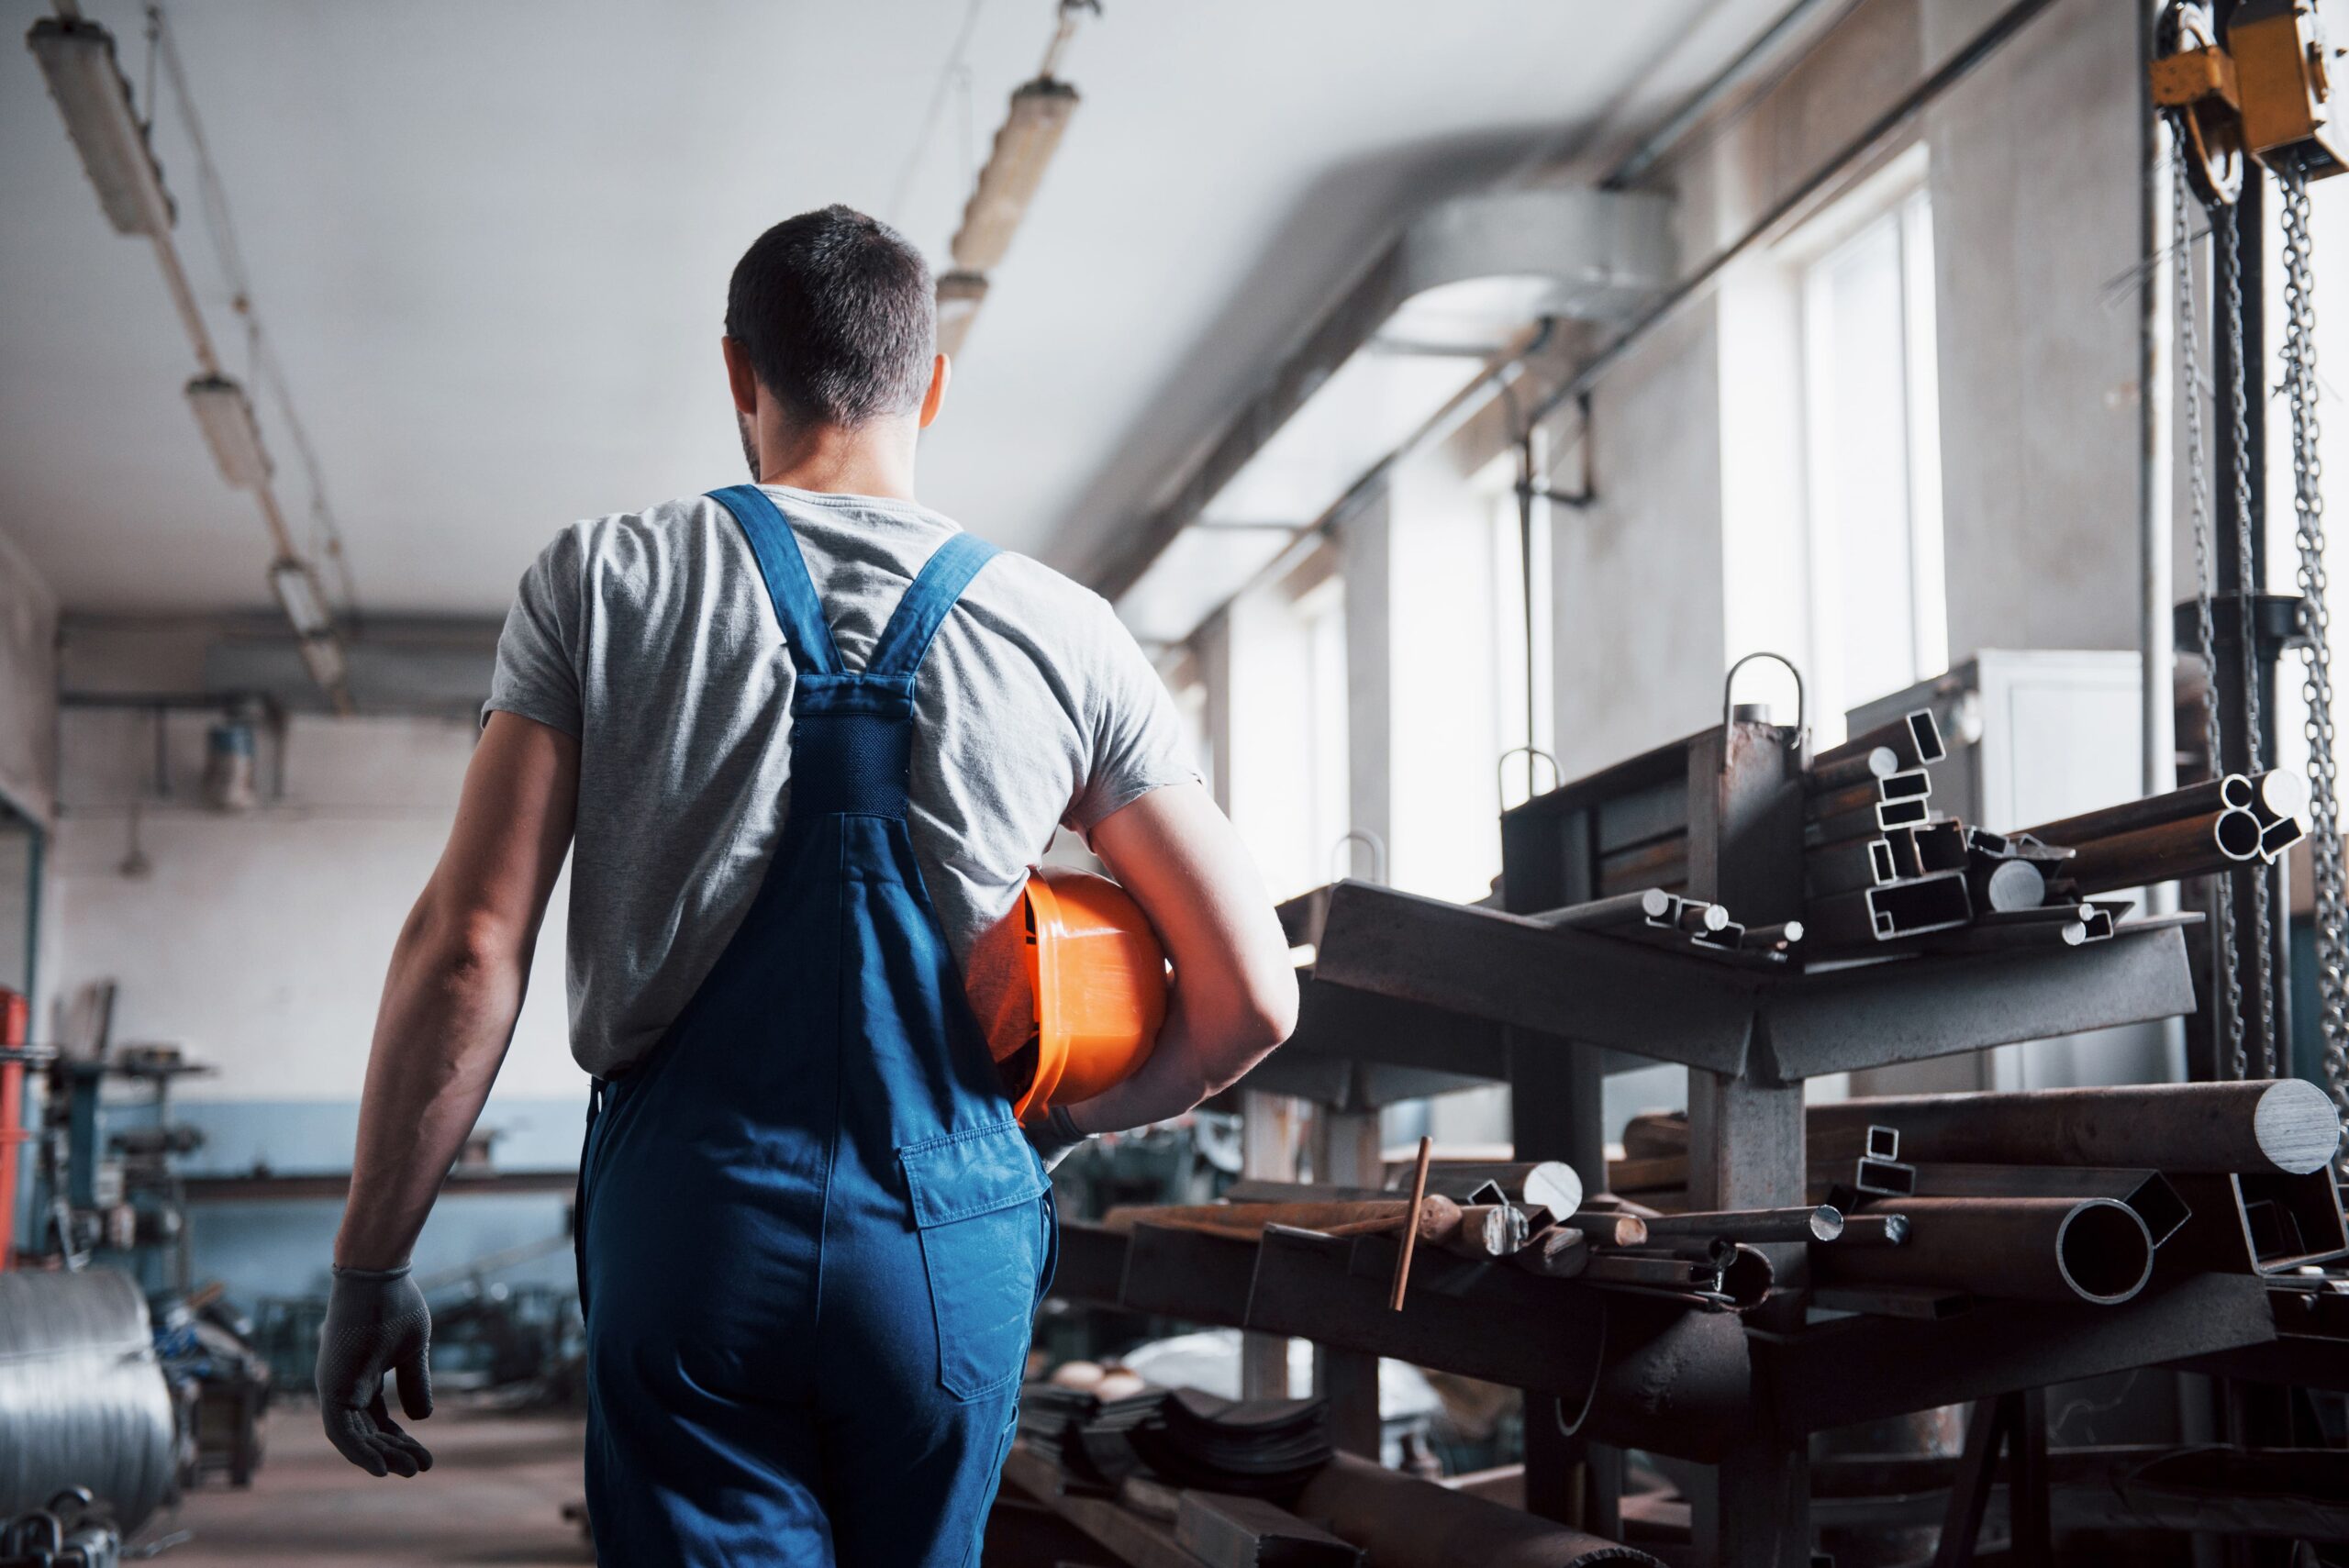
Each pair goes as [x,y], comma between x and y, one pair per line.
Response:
[1260,1021]
[463,944]
[1273,1010]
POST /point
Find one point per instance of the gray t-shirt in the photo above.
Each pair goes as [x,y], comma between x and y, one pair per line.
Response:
[650,636]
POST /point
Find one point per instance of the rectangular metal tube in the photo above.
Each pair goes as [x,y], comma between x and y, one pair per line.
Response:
[1847,866]
[1915,738]
[1896,910]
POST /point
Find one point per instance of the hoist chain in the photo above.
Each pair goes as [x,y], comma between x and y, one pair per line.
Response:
[2189,344]
[2229,249]
[2332,897]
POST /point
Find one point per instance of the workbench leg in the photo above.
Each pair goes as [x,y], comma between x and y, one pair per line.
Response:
[1556,1112]
[2030,1526]
[1745,1150]
[1346,1151]
[1969,1492]
[1269,1137]
[1757,1511]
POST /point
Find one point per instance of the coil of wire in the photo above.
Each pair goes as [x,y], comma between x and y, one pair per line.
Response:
[82,1402]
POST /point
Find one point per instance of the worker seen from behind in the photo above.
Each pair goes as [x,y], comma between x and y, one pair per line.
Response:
[804,740]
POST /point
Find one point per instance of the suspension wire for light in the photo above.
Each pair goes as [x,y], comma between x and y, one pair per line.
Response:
[266,369]
[939,93]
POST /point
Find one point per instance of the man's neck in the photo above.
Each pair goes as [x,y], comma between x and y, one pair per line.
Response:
[874,459]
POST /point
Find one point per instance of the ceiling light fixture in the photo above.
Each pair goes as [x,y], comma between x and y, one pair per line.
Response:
[77,58]
[225,415]
[1008,182]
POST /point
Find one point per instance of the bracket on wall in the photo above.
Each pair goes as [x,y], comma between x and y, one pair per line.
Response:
[1579,500]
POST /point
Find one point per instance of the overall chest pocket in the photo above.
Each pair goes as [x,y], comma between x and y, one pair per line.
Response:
[979,1205]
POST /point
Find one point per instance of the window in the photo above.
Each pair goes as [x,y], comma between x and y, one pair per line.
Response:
[1879,607]
[1282,746]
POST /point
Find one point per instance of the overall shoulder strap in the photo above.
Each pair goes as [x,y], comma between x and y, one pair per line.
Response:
[785,571]
[928,599]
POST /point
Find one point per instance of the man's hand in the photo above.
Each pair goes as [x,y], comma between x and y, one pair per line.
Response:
[376,1322]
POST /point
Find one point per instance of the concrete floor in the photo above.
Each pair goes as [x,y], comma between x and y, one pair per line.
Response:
[495,1495]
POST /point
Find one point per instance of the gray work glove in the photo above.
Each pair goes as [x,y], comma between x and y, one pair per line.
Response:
[376,1322]
[1055,1136]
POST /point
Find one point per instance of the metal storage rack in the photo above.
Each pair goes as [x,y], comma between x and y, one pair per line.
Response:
[1412,996]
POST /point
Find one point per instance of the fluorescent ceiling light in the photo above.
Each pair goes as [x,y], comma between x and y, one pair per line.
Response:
[323,656]
[960,295]
[226,415]
[305,606]
[1023,150]
[78,60]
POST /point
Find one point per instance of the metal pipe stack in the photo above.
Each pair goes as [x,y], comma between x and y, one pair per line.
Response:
[2052,1194]
[1881,867]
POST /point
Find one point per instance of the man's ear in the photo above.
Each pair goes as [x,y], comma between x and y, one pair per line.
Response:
[739,377]
[942,371]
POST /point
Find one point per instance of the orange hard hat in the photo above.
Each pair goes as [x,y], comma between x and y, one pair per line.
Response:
[1098,977]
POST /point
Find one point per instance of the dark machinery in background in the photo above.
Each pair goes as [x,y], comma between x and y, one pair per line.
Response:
[121,1383]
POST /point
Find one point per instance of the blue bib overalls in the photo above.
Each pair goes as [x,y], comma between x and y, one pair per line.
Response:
[812,1239]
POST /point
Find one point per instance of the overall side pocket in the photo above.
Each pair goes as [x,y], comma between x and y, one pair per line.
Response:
[975,1196]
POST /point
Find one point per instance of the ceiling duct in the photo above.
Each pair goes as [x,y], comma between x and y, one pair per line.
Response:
[1467,279]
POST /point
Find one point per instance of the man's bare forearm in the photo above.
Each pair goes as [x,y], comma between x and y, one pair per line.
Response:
[448,1014]
[1184,1067]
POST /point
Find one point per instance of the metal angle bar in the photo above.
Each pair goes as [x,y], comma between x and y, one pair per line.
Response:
[1509,970]
[1201,1277]
[1916,1007]
[1362,1026]
[1987,1423]
[1460,1317]
[1092,1265]
[1862,1369]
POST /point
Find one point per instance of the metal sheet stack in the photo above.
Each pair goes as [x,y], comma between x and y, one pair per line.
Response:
[1881,865]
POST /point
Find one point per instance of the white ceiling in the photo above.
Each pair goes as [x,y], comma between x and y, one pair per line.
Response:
[491,242]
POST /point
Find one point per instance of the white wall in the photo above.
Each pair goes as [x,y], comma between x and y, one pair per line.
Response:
[259,940]
[2031,169]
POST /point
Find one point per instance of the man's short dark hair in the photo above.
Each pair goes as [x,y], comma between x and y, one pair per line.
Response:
[838,315]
